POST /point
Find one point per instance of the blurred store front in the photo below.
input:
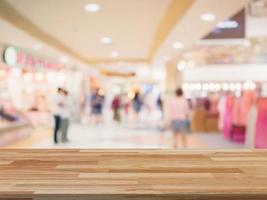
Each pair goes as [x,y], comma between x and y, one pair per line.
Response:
[120,74]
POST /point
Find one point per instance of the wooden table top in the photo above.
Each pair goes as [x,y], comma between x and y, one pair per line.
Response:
[121,174]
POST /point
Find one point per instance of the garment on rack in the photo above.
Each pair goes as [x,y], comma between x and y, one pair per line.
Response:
[227,126]
[251,127]
[261,125]
[221,110]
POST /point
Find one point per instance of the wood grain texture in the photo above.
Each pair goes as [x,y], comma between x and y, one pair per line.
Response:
[132,174]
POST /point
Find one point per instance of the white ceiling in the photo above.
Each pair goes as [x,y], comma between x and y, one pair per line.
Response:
[191,28]
[10,35]
[130,23]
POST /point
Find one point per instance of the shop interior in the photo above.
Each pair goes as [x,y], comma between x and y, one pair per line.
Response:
[120,63]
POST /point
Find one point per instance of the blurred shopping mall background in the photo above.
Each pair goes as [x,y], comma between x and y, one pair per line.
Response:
[119,63]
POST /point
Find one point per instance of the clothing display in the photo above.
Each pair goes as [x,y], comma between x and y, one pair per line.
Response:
[198,120]
[261,125]
[221,110]
[251,127]
[228,116]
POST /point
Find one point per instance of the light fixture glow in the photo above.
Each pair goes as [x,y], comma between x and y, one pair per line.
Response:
[106,40]
[178,45]
[249,85]
[181,65]
[101,92]
[185,86]
[218,86]
[228,24]
[205,86]
[225,86]
[212,86]
[238,86]
[198,86]
[39,77]
[131,95]
[92,7]
[208,17]
[114,54]
[191,86]
[232,86]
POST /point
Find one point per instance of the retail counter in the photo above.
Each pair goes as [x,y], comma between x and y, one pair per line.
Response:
[132,174]
[14,131]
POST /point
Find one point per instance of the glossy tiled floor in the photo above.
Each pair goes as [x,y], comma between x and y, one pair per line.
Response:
[117,136]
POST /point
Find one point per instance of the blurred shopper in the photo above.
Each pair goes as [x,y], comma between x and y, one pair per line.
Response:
[97,102]
[58,110]
[125,104]
[115,105]
[65,118]
[159,104]
[137,105]
[177,117]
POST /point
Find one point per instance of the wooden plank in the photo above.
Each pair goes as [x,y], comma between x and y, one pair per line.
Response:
[132,174]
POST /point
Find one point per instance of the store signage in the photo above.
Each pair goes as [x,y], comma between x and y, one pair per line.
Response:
[14,57]
[233,28]
[10,56]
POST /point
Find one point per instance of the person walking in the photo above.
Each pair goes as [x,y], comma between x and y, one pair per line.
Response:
[65,117]
[177,118]
[137,106]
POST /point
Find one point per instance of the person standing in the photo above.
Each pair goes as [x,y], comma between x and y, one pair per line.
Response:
[65,117]
[97,102]
[177,117]
[115,105]
[58,110]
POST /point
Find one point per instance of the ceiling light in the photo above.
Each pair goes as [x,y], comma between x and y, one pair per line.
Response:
[208,17]
[92,7]
[37,46]
[228,24]
[114,54]
[178,45]
[106,40]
